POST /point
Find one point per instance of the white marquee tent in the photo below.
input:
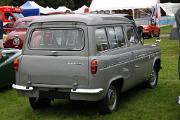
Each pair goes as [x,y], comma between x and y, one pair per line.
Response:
[46,10]
[121,4]
[42,10]
[62,9]
[170,8]
[81,10]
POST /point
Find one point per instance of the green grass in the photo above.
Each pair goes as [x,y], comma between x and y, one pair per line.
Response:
[166,29]
[136,104]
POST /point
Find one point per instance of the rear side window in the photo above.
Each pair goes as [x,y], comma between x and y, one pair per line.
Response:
[101,40]
[112,37]
[120,36]
[131,34]
[58,39]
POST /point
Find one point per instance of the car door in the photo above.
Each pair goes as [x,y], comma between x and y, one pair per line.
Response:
[139,57]
[114,58]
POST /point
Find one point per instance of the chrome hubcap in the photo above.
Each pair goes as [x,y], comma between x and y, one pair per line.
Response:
[153,78]
[112,98]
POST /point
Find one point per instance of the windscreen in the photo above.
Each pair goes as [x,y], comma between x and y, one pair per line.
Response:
[57,39]
[18,15]
[23,24]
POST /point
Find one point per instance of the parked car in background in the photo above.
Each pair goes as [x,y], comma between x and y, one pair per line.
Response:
[150,28]
[151,31]
[9,15]
[90,57]
[15,39]
[7,73]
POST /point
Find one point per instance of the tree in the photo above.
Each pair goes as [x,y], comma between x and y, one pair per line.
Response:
[3,2]
[80,3]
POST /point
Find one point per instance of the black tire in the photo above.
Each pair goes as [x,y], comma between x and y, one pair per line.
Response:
[110,103]
[142,40]
[153,80]
[151,34]
[39,103]
[158,34]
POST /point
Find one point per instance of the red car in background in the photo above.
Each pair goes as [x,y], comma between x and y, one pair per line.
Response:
[15,39]
[9,15]
[151,31]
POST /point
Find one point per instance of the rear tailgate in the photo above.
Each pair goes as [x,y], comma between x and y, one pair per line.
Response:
[56,56]
[56,70]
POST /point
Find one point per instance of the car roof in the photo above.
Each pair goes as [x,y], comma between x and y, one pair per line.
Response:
[31,18]
[88,19]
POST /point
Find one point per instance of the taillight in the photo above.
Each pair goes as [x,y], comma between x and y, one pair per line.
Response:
[15,64]
[93,66]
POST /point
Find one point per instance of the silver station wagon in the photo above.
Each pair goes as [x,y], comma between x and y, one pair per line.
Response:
[90,57]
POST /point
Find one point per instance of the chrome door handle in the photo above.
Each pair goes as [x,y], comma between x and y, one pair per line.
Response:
[137,66]
[142,55]
[53,52]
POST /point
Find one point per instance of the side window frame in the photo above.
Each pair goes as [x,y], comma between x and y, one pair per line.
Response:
[123,32]
[106,39]
[124,35]
[108,36]
[135,31]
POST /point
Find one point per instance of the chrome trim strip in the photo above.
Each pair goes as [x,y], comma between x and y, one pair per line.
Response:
[19,87]
[88,91]
[10,51]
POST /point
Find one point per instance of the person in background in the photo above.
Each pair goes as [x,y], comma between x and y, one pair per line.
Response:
[177,17]
[1,32]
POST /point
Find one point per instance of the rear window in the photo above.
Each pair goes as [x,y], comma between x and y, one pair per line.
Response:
[57,39]
[18,15]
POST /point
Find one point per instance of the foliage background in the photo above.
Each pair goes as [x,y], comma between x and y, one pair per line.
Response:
[72,4]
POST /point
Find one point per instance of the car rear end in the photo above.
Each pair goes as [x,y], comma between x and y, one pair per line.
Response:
[55,62]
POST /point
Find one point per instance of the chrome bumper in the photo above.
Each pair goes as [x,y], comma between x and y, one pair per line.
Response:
[19,87]
[87,91]
[80,91]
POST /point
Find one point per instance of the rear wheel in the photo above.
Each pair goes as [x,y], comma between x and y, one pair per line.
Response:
[151,34]
[39,103]
[110,102]
[158,33]
[142,39]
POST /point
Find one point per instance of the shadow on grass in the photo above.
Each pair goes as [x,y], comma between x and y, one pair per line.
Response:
[6,88]
[132,93]
[84,108]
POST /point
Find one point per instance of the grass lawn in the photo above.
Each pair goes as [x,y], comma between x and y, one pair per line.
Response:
[166,29]
[136,104]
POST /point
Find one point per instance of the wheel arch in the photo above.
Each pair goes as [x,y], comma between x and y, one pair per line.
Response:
[118,82]
[157,63]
